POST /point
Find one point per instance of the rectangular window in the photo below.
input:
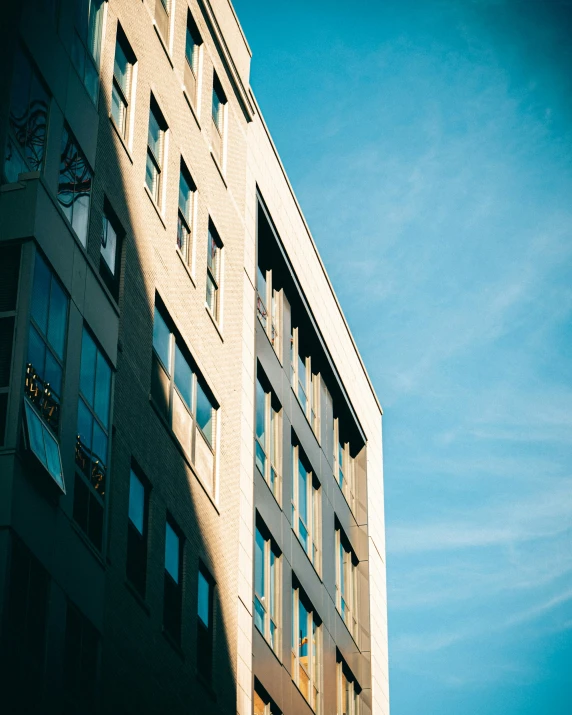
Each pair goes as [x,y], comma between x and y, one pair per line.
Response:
[86,43]
[347,692]
[267,588]
[193,43]
[123,66]
[155,150]
[205,624]
[183,398]
[346,583]
[306,507]
[218,120]
[187,190]
[344,466]
[137,531]
[214,257]
[306,649]
[173,585]
[92,445]
[74,185]
[268,443]
[81,660]
[262,703]
[305,383]
[110,250]
[28,119]
[269,308]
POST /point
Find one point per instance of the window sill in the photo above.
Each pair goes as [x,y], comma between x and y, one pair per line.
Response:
[163,45]
[137,596]
[219,169]
[185,266]
[184,454]
[157,209]
[217,327]
[173,643]
[191,107]
[120,137]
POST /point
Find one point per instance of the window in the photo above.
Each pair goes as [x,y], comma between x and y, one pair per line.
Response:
[81,658]
[123,67]
[213,271]
[205,624]
[43,444]
[268,443]
[86,42]
[306,507]
[183,399]
[305,384]
[218,120]
[46,344]
[162,19]
[24,633]
[173,591]
[266,588]
[137,532]
[155,149]
[344,466]
[346,583]
[306,649]
[269,308]
[28,120]
[347,692]
[262,703]
[110,250]
[74,186]
[187,189]
[92,445]
[193,44]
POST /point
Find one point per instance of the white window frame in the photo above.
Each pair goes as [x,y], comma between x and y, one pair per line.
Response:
[354,704]
[269,310]
[346,463]
[314,650]
[272,446]
[314,502]
[347,599]
[310,386]
[271,607]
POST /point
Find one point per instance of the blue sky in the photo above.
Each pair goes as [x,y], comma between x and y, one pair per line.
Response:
[430,146]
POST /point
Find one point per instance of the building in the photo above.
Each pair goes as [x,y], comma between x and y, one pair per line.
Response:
[191,483]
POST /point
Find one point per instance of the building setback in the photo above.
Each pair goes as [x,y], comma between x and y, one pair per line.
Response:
[191,481]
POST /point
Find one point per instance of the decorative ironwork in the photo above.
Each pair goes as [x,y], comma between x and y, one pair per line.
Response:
[91,466]
[45,399]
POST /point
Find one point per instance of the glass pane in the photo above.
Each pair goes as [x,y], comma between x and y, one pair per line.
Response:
[259,615]
[151,177]
[274,436]
[136,502]
[204,414]
[53,373]
[37,352]
[162,340]
[303,643]
[53,458]
[41,294]
[260,459]
[108,244]
[213,254]
[35,433]
[190,49]
[99,443]
[57,321]
[303,534]
[84,424]
[171,552]
[117,109]
[302,492]
[259,706]
[121,68]
[80,213]
[217,109]
[182,422]
[204,600]
[211,295]
[273,576]
[183,377]
[66,180]
[260,413]
[13,163]
[154,136]
[184,197]
[87,369]
[259,576]
[102,389]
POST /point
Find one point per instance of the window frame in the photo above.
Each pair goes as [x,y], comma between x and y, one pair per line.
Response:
[125,95]
[214,272]
[271,446]
[205,632]
[79,155]
[344,467]
[157,162]
[269,309]
[269,601]
[173,588]
[347,595]
[310,386]
[81,55]
[185,222]
[314,629]
[111,278]
[313,523]
[137,541]
[218,120]
[191,69]
[350,685]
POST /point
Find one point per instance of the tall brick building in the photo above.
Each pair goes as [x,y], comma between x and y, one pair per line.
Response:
[191,483]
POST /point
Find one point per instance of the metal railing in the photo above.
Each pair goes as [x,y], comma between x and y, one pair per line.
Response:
[44,398]
[91,466]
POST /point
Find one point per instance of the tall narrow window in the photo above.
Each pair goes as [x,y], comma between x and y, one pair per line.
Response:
[305,383]
[269,308]
[155,150]
[28,120]
[344,466]
[218,120]
[193,42]
[92,445]
[205,624]
[267,588]
[86,43]
[186,193]
[110,250]
[81,658]
[122,81]
[306,507]
[137,532]
[346,583]
[268,445]
[306,649]
[74,186]
[347,692]
[173,591]
[183,398]
[213,271]
[262,703]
